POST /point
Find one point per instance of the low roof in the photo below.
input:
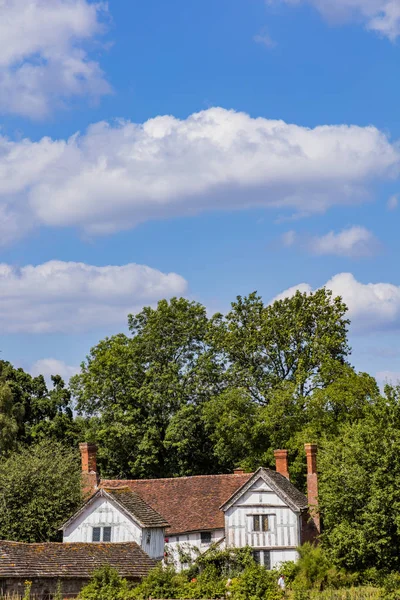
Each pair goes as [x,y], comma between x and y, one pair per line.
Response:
[289,493]
[187,503]
[130,503]
[71,560]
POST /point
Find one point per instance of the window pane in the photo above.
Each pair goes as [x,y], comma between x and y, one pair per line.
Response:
[257,556]
[256,523]
[206,537]
[264,522]
[106,534]
[267,559]
[96,534]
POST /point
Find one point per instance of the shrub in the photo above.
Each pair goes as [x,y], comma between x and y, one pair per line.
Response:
[161,582]
[256,583]
[105,584]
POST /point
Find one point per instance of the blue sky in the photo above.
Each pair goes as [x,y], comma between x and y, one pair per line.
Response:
[208,148]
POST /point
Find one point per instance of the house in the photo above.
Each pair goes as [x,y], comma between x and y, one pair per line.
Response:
[263,510]
[68,566]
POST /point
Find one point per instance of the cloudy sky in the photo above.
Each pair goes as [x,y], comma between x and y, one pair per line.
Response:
[204,148]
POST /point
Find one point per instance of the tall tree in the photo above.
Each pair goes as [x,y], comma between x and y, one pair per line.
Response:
[140,387]
[299,339]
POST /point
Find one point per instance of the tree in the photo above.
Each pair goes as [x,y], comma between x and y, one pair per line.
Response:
[138,389]
[9,420]
[359,488]
[234,424]
[40,488]
[32,411]
[299,339]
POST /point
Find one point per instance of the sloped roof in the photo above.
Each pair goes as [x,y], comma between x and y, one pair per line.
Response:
[137,507]
[187,503]
[131,504]
[71,560]
[289,493]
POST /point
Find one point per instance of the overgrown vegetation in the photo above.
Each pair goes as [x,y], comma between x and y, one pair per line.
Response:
[234,574]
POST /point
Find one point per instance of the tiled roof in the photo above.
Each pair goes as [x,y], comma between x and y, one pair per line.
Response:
[187,503]
[291,492]
[71,560]
[137,507]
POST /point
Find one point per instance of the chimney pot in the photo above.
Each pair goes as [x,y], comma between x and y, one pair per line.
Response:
[281,462]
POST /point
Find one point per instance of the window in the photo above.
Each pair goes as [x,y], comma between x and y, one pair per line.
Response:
[260,523]
[206,537]
[101,534]
[262,557]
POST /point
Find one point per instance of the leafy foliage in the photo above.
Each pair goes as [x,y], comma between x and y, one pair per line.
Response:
[40,488]
[359,483]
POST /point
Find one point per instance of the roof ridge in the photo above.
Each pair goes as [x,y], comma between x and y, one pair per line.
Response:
[181,477]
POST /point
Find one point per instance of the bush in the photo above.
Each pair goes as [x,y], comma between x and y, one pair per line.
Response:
[256,583]
[105,584]
[161,582]
[315,570]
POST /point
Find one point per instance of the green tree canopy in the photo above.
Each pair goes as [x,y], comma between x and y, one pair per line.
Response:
[30,412]
[139,388]
[359,488]
[300,339]
[40,488]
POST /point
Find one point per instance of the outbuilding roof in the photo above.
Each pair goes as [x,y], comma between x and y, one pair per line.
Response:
[71,560]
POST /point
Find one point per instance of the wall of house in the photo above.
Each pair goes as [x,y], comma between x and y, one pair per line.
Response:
[188,544]
[153,542]
[283,535]
[102,513]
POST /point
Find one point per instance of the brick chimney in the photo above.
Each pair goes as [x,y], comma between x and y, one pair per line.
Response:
[281,462]
[89,467]
[312,483]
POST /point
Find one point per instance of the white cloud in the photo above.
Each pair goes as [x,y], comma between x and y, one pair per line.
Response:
[289,238]
[51,366]
[116,176]
[264,39]
[352,242]
[372,306]
[393,202]
[72,297]
[381,16]
[43,60]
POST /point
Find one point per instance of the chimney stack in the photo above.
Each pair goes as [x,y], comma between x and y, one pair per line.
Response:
[89,466]
[312,483]
[281,462]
